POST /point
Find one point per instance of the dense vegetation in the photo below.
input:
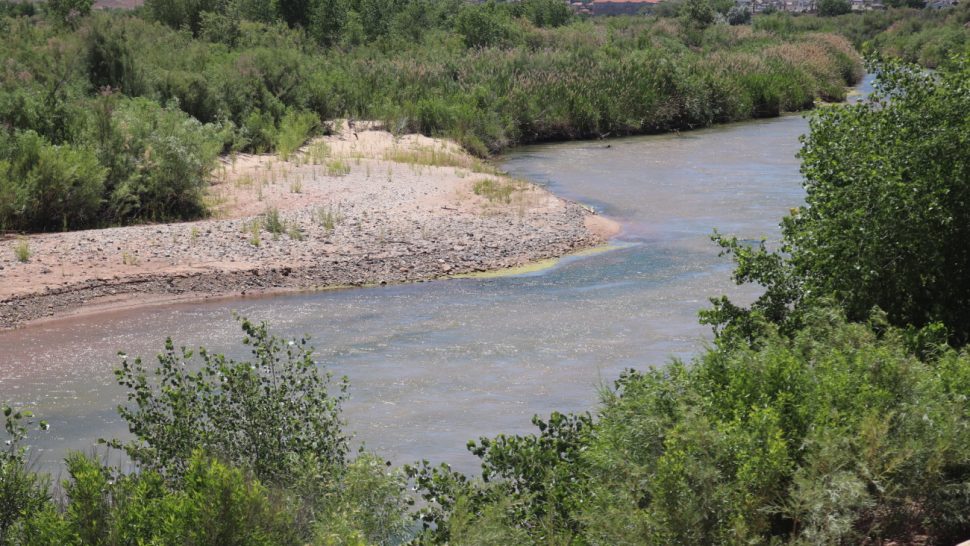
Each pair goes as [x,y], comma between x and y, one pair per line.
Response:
[113,118]
[833,410]
[838,415]
[886,216]
[228,452]
[924,36]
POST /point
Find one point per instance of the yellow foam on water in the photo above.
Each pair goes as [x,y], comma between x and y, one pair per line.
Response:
[532,267]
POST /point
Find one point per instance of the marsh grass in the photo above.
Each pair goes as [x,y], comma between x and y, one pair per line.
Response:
[328,218]
[430,156]
[337,167]
[272,221]
[253,229]
[498,191]
[22,250]
[294,232]
[295,128]
[129,258]
[317,153]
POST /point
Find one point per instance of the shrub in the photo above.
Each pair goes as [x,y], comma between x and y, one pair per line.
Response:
[831,8]
[739,15]
[884,214]
[168,155]
[271,414]
[68,12]
[295,129]
[22,250]
[832,436]
[49,187]
[21,491]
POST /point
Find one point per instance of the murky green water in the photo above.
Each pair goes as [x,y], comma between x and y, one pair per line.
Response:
[433,365]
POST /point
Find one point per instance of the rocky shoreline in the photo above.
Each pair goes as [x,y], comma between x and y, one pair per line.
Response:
[397,210]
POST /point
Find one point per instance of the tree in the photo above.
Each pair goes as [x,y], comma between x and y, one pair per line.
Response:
[547,13]
[273,415]
[739,15]
[831,8]
[887,212]
[327,21]
[69,11]
[698,13]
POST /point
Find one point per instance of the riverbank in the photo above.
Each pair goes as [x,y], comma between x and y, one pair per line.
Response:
[360,207]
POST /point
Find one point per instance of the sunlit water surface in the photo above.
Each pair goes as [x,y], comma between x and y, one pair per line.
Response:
[433,365]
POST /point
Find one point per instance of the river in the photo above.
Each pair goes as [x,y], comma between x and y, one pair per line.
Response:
[433,365]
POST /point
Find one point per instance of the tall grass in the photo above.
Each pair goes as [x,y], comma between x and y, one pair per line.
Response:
[270,87]
[21,250]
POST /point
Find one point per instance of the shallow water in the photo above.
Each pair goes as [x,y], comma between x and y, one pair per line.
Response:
[433,365]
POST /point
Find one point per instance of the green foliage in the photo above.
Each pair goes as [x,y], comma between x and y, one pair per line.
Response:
[739,15]
[274,414]
[181,14]
[295,129]
[259,78]
[16,8]
[327,21]
[546,13]
[21,492]
[831,8]
[161,170]
[247,453]
[886,207]
[698,13]
[833,436]
[485,25]
[372,506]
[68,12]
[47,186]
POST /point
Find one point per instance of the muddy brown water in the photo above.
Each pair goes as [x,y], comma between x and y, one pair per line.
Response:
[433,365]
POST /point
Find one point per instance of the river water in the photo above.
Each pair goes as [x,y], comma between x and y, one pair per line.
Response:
[433,365]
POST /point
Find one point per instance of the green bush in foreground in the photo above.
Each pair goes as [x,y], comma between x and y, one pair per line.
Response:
[227,452]
[834,436]
[887,212]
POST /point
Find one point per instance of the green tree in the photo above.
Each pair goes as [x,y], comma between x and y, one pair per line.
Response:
[274,414]
[831,8]
[886,212]
[327,21]
[698,13]
[739,15]
[484,25]
[69,12]
[48,187]
[547,13]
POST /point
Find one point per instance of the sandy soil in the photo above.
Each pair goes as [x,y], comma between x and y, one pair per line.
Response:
[356,208]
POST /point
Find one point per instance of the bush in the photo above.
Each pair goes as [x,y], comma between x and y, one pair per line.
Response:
[883,213]
[21,492]
[48,187]
[167,157]
[295,129]
[739,15]
[831,8]
[247,453]
[838,435]
[272,414]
